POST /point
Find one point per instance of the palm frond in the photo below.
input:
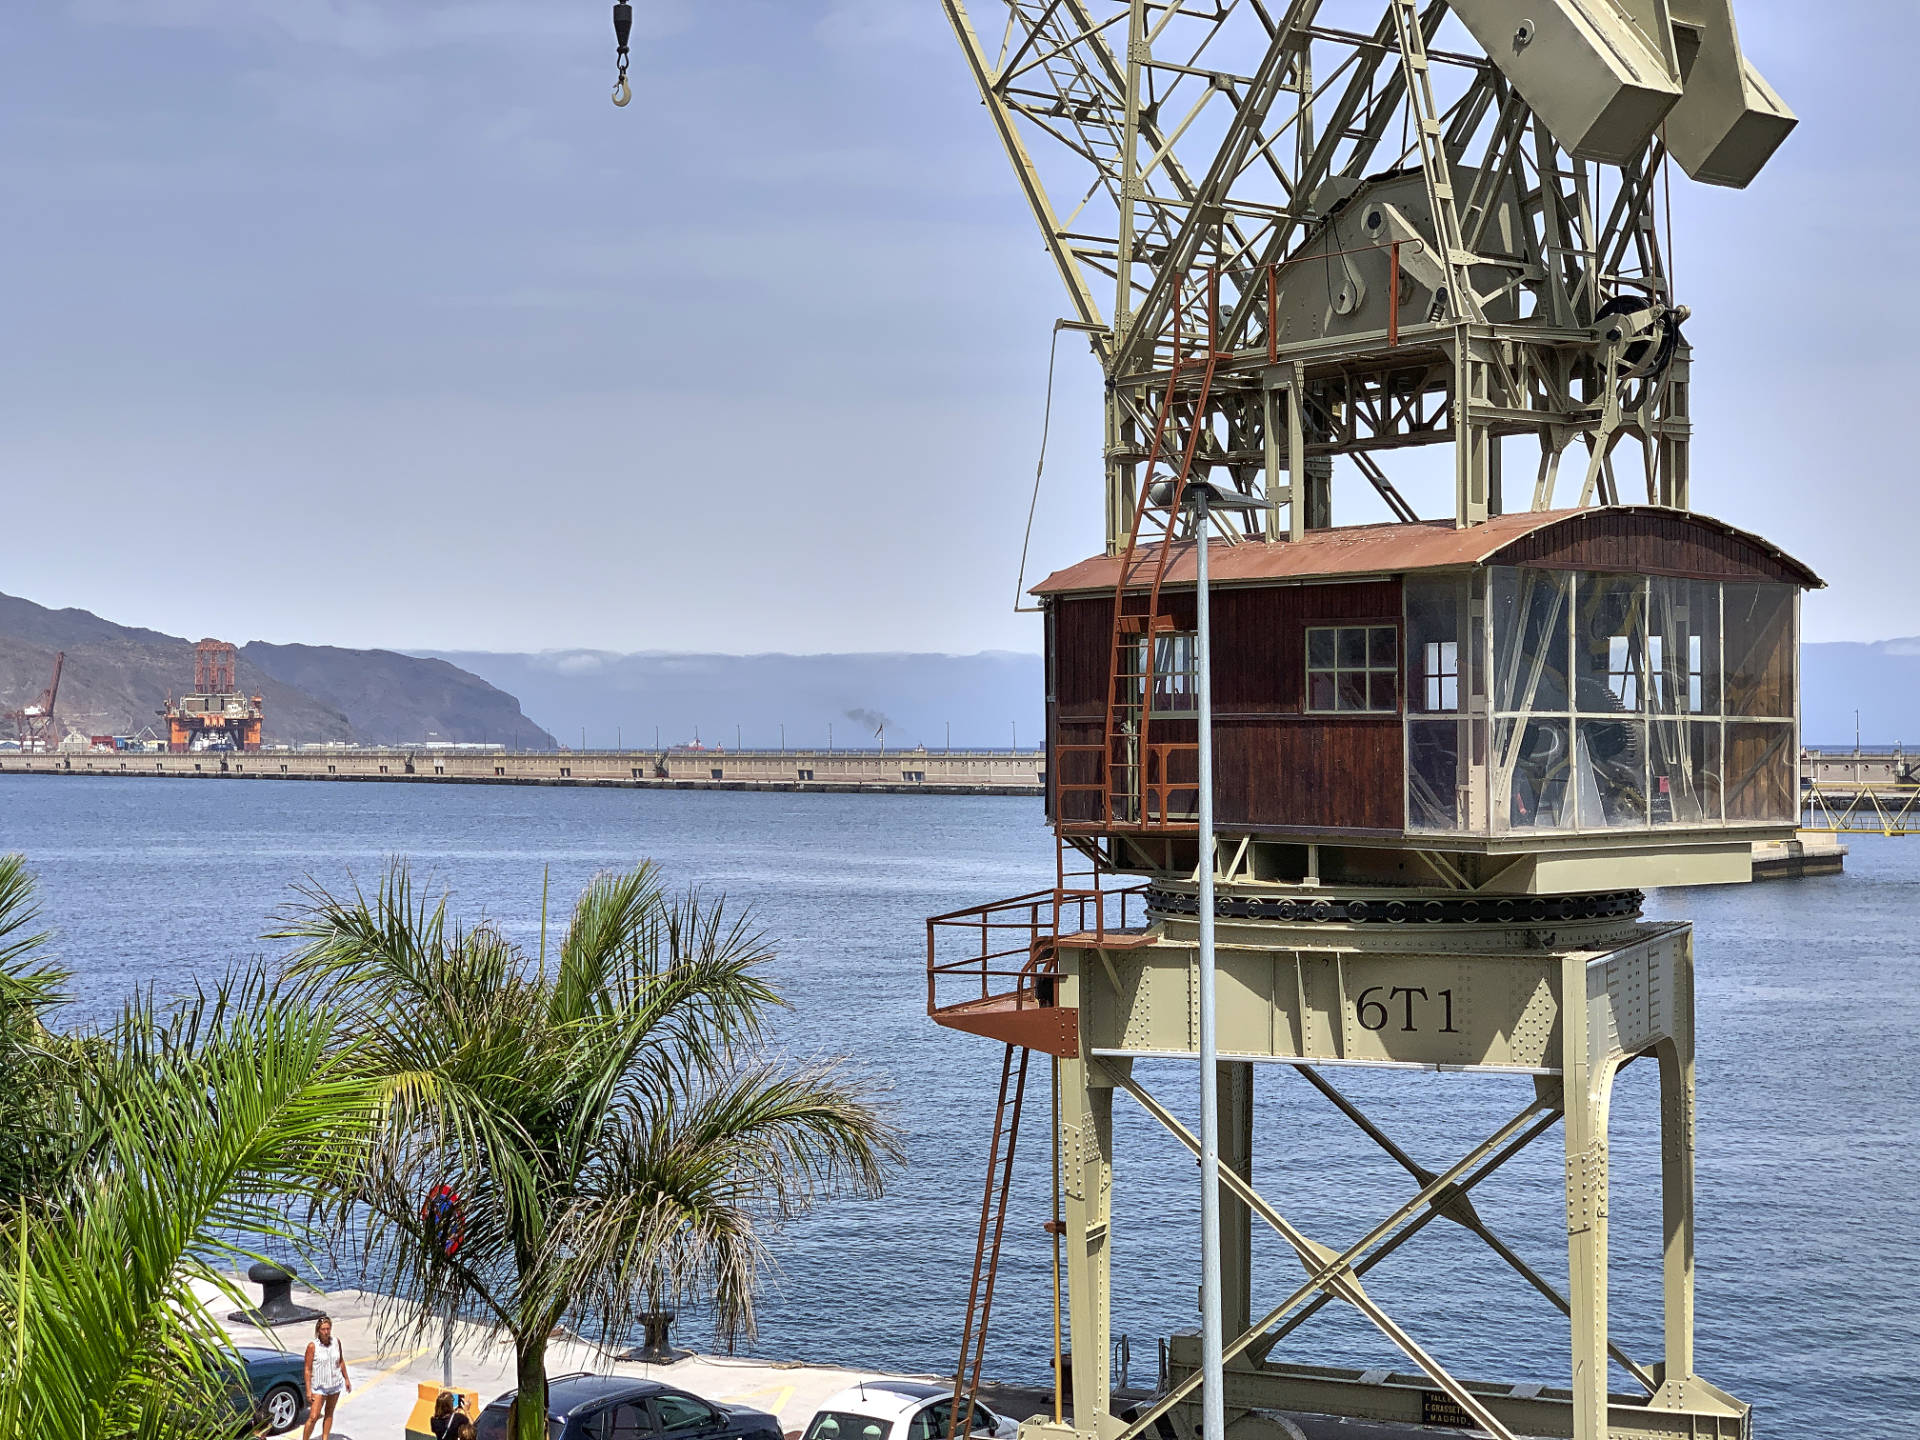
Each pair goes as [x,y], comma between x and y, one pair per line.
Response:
[18,910]
[38,1137]
[676,1202]
[611,916]
[212,1117]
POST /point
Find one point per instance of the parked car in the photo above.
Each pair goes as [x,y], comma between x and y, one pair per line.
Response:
[274,1399]
[618,1407]
[900,1410]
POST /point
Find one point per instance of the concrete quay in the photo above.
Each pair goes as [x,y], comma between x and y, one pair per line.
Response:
[1808,853]
[388,1370]
[940,772]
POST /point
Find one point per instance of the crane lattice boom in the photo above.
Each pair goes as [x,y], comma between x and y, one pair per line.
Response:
[1378,227]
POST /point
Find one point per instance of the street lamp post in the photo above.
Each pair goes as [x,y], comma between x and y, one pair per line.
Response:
[1203,496]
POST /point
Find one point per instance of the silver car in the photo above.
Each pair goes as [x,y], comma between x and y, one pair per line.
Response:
[901,1410]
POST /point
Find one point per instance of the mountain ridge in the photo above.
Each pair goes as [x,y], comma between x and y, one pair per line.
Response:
[844,698]
[118,677]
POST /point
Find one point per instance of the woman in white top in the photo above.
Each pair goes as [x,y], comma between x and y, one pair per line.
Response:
[327,1378]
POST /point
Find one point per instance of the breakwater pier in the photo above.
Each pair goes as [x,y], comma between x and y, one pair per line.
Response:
[949,772]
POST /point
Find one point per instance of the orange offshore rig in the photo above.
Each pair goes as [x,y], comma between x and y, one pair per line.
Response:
[216,716]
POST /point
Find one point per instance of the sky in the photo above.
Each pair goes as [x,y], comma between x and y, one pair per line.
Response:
[373,323]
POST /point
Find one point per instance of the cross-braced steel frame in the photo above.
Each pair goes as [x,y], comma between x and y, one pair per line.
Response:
[1852,808]
[1568,1018]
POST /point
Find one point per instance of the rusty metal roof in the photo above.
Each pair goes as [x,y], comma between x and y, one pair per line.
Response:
[1638,539]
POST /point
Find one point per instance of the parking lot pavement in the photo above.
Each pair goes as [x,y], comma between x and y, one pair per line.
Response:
[387,1369]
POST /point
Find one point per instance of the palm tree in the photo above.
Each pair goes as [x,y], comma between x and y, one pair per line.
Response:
[35,1064]
[153,1147]
[617,1134]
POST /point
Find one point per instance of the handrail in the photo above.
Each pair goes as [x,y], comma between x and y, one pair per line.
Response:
[1019,933]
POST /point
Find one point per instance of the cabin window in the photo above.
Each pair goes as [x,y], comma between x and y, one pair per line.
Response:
[1759,651]
[1176,675]
[1353,668]
[1683,646]
[1440,669]
[1446,657]
[1445,686]
[1629,701]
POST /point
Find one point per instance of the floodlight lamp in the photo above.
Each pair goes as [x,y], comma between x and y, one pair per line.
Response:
[1198,494]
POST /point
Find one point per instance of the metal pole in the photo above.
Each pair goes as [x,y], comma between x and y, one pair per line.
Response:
[1212,1402]
[446,1351]
[1056,1229]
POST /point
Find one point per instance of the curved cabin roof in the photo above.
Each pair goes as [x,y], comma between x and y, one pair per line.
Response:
[1620,539]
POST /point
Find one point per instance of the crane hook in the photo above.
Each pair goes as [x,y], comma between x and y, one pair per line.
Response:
[622,30]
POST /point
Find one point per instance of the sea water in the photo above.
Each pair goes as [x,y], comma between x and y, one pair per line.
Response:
[1809,1091]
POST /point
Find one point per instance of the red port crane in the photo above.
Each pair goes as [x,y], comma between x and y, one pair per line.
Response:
[34,724]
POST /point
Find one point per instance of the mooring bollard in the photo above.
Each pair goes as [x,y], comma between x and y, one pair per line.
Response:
[276,1297]
[655,1349]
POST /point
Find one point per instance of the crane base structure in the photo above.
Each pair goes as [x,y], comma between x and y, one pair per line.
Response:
[1556,993]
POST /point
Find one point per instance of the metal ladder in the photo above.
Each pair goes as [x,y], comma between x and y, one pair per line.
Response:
[986,1251]
[1135,780]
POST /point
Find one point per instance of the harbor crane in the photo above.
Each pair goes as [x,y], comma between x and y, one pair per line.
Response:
[1306,241]
[36,724]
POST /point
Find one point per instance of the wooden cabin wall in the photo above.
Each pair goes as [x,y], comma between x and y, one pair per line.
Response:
[1079,657]
[1276,766]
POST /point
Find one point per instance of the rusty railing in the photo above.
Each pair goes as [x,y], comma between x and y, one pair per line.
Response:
[1009,944]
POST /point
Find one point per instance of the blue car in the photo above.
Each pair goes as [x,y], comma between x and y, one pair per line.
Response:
[615,1407]
[266,1391]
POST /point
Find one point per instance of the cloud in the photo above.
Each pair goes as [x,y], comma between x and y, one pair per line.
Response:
[572,662]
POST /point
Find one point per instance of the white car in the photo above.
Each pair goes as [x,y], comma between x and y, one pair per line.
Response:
[901,1410]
